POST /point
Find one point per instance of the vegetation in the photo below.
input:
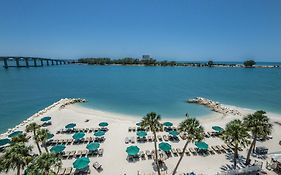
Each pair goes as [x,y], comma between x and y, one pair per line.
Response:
[44,164]
[33,127]
[236,134]
[260,128]
[194,131]
[15,157]
[22,138]
[42,136]
[249,63]
[146,62]
[152,123]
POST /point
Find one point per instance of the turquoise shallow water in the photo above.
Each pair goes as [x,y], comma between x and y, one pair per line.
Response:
[135,90]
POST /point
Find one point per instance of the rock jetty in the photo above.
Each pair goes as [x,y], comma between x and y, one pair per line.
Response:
[214,106]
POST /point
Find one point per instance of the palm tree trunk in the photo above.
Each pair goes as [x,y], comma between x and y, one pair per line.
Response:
[45,146]
[37,144]
[250,151]
[156,153]
[18,170]
[184,148]
[235,155]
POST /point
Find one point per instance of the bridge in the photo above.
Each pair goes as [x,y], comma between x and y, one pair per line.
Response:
[31,61]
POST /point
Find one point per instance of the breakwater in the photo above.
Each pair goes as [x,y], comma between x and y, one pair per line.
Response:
[214,106]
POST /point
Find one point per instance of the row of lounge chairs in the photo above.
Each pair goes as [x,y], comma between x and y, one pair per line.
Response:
[73,141]
[82,153]
[85,130]
[218,149]
[134,129]
[70,170]
[160,138]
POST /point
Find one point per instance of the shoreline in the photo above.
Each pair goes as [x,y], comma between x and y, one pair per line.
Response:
[102,114]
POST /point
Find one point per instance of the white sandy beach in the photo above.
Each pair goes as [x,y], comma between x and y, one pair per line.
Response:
[114,159]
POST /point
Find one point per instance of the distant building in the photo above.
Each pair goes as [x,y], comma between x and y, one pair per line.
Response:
[146,57]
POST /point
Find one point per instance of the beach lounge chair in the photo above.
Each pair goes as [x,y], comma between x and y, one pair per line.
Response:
[78,153]
[179,150]
[149,138]
[220,149]
[66,154]
[97,166]
[61,171]
[226,148]
[174,151]
[133,139]
[166,138]
[159,137]
[129,129]
[193,151]
[134,129]
[85,152]
[68,171]
[187,152]
[216,149]
[100,152]
[127,140]
[71,154]
[148,153]
[211,151]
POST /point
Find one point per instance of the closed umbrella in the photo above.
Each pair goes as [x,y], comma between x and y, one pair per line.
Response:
[132,150]
[81,163]
[57,149]
[165,146]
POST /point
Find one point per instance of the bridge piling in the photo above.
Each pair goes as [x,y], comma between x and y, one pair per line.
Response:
[17,62]
[41,60]
[6,63]
[26,62]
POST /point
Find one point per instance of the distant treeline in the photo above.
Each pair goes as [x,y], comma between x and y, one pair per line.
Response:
[147,62]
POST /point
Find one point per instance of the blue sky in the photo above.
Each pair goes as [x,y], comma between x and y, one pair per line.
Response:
[167,29]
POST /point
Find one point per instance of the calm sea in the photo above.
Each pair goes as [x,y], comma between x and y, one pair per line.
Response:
[135,90]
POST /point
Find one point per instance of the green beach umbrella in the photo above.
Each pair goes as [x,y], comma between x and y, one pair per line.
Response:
[174,133]
[202,145]
[132,150]
[15,134]
[217,128]
[70,125]
[99,133]
[78,135]
[165,146]
[57,149]
[4,141]
[93,146]
[81,163]
[141,133]
[50,135]
[45,119]
[168,124]
[103,124]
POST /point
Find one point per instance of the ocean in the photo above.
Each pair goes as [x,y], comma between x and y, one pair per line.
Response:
[135,90]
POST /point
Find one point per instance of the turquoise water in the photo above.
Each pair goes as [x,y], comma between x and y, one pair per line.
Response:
[135,90]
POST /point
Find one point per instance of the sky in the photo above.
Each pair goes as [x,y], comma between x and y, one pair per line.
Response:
[182,30]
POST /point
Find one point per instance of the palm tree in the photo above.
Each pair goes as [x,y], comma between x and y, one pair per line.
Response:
[42,136]
[22,138]
[152,123]
[32,127]
[43,164]
[236,134]
[15,157]
[194,131]
[259,126]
